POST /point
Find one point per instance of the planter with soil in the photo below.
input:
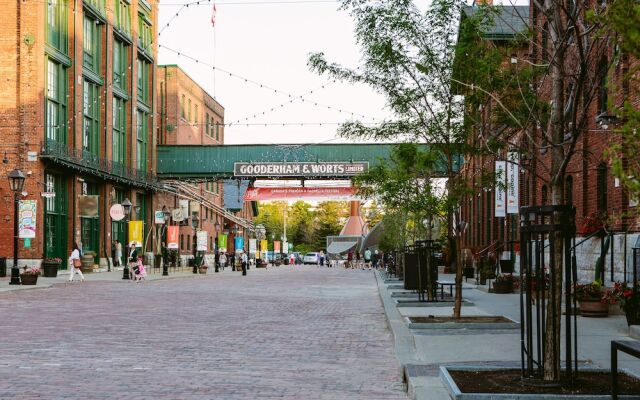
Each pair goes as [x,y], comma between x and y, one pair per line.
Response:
[50,269]
[477,382]
[465,322]
[31,279]
[594,308]
[502,287]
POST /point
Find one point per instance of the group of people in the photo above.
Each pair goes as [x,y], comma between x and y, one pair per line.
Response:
[368,261]
[221,260]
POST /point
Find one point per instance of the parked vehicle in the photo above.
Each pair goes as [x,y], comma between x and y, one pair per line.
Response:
[311,258]
[298,257]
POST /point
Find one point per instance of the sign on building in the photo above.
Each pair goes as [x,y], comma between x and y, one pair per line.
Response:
[27,219]
[500,199]
[303,169]
[512,182]
[201,240]
[172,237]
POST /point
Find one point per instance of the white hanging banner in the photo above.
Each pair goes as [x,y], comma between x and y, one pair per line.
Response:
[500,200]
[513,158]
[252,246]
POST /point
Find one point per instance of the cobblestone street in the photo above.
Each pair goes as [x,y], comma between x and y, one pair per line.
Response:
[285,333]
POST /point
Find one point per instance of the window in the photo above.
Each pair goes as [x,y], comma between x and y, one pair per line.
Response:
[97,4]
[56,102]
[144,33]
[206,126]
[141,141]
[188,242]
[545,194]
[143,81]
[119,133]
[181,242]
[91,120]
[120,65]
[57,25]
[55,217]
[117,227]
[189,111]
[182,107]
[603,96]
[602,187]
[91,45]
[122,16]
[217,131]
[90,226]
[195,117]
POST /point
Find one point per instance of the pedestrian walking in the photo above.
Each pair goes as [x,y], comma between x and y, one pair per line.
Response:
[75,263]
[321,258]
[232,261]
[376,259]
[358,259]
[139,271]
[118,259]
[349,259]
[244,260]
[367,259]
[223,260]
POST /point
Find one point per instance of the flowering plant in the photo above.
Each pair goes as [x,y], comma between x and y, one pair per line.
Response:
[623,294]
[30,271]
[590,291]
[52,260]
[505,278]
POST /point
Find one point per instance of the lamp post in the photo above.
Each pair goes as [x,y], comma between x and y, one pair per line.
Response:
[16,181]
[273,240]
[126,204]
[260,234]
[217,226]
[165,262]
[195,223]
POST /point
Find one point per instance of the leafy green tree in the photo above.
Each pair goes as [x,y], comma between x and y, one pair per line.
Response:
[330,217]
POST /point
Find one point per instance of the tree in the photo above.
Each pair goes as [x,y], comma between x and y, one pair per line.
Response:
[330,217]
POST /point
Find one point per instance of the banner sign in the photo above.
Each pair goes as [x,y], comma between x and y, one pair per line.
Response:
[512,182]
[184,206]
[201,241]
[222,241]
[88,206]
[285,247]
[177,215]
[253,245]
[276,246]
[135,233]
[264,193]
[299,169]
[264,245]
[27,219]
[158,217]
[238,242]
[500,201]
[172,237]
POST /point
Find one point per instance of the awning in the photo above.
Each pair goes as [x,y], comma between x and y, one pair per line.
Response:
[341,247]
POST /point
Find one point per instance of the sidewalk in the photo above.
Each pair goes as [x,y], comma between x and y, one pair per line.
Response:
[113,276]
[422,351]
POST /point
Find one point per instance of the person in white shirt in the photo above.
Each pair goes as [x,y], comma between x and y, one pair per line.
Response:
[244,260]
[74,266]
[223,260]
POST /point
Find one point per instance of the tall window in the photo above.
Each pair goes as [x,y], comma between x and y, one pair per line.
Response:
[206,127]
[57,25]
[144,33]
[182,107]
[603,95]
[91,119]
[56,102]
[122,16]
[90,226]
[91,45]
[545,195]
[189,111]
[117,227]
[195,117]
[602,187]
[568,190]
[141,141]
[120,65]
[143,81]
[119,133]
[55,217]
[217,131]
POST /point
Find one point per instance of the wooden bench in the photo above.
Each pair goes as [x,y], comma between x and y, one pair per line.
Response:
[630,347]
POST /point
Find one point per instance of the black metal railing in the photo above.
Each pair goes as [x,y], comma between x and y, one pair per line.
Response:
[92,163]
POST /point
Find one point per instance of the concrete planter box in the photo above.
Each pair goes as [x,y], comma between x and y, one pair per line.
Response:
[455,392]
[464,325]
[415,303]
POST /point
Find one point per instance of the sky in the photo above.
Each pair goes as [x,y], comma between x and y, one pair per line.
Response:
[269,42]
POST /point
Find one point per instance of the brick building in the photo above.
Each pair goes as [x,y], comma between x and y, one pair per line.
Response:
[77,115]
[589,184]
[188,115]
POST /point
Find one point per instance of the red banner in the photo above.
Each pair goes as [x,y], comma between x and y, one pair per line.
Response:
[173,232]
[276,246]
[336,193]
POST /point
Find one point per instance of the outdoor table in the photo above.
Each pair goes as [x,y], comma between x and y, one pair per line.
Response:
[442,284]
[630,347]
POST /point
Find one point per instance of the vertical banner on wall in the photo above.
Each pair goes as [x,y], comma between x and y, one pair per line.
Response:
[513,159]
[500,200]
[172,237]
[238,242]
[264,246]
[201,241]
[135,233]
[222,241]
[252,246]
[27,219]
[285,247]
[276,246]
[183,205]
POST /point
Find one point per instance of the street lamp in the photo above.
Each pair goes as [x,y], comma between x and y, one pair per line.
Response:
[194,223]
[217,226]
[126,204]
[165,262]
[16,182]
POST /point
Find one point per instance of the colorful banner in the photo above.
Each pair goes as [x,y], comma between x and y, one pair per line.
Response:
[306,169]
[158,217]
[512,182]
[238,242]
[500,201]
[264,245]
[173,233]
[309,193]
[253,245]
[285,247]
[276,246]
[135,233]
[27,219]
[201,241]
[222,241]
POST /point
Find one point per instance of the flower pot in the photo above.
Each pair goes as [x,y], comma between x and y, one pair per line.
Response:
[202,270]
[469,272]
[50,270]
[594,308]
[29,279]
[633,316]
[503,287]
[86,262]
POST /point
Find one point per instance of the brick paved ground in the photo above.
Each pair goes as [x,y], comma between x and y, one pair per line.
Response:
[308,333]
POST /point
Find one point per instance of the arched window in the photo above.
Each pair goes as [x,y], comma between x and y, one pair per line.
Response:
[568,190]
[603,95]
